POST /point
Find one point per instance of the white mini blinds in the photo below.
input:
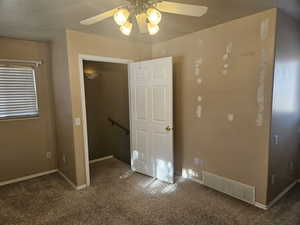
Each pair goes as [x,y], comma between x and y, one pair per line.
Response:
[18,96]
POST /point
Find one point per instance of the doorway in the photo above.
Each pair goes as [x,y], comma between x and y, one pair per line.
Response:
[104,98]
[149,102]
[107,110]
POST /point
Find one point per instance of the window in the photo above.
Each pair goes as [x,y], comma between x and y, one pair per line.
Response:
[18,97]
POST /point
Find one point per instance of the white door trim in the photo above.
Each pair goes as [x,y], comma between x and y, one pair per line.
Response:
[94,58]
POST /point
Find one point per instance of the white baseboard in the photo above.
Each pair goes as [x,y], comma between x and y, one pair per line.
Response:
[67,179]
[27,177]
[43,174]
[101,159]
[273,202]
[81,187]
[196,180]
[85,185]
[70,182]
[179,177]
[282,194]
[261,206]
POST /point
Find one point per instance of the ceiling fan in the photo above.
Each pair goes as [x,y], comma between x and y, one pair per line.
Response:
[146,13]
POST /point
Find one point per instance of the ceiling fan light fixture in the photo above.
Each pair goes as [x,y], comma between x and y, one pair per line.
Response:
[126,28]
[153,28]
[154,16]
[147,14]
[121,16]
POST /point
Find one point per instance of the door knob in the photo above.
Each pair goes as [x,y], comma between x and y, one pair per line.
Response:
[168,128]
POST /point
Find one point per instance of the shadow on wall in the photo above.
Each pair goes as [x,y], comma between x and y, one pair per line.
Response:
[178,110]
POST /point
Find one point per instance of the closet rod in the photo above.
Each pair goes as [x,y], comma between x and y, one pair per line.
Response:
[36,63]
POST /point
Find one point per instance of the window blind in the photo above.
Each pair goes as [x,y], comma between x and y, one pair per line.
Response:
[18,97]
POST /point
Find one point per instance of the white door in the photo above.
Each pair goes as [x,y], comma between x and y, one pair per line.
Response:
[151,118]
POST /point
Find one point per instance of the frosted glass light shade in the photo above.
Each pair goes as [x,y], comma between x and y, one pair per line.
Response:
[121,16]
[153,28]
[126,28]
[154,16]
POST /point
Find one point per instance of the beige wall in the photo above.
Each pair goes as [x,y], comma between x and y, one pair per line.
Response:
[24,143]
[90,44]
[235,149]
[63,108]
[239,149]
[106,97]
[284,156]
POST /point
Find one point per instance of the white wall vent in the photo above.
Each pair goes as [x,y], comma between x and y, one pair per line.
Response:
[231,187]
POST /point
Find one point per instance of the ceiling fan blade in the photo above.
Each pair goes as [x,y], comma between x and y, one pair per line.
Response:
[142,23]
[182,9]
[99,17]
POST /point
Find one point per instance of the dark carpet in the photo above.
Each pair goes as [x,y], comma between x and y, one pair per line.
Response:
[119,197]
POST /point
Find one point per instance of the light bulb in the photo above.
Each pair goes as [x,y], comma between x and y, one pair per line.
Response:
[153,28]
[154,16]
[121,16]
[126,28]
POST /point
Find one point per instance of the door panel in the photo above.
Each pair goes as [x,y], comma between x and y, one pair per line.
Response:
[151,116]
[160,112]
[141,102]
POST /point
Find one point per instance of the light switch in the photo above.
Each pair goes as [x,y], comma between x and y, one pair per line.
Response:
[276,137]
[49,155]
[77,121]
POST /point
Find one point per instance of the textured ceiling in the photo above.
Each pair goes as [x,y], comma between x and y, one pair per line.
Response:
[42,19]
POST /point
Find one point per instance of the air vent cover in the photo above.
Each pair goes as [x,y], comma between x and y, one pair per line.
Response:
[231,187]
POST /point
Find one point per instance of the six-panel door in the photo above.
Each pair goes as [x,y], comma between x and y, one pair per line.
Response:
[151,116]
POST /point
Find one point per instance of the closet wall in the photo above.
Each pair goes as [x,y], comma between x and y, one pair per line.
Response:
[106,91]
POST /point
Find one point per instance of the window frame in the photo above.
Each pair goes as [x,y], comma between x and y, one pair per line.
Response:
[29,116]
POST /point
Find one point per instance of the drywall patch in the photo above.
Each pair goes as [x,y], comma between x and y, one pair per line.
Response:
[197,70]
[199,111]
[199,81]
[229,48]
[261,89]
[197,66]
[199,107]
[199,61]
[200,42]
[264,33]
[264,29]
[225,57]
[199,99]
[230,117]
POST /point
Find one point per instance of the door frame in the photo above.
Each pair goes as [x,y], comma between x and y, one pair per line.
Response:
[93,58]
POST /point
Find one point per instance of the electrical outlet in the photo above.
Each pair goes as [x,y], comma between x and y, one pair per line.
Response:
[199,163]
[273,178]
[49,155]
[196,161]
